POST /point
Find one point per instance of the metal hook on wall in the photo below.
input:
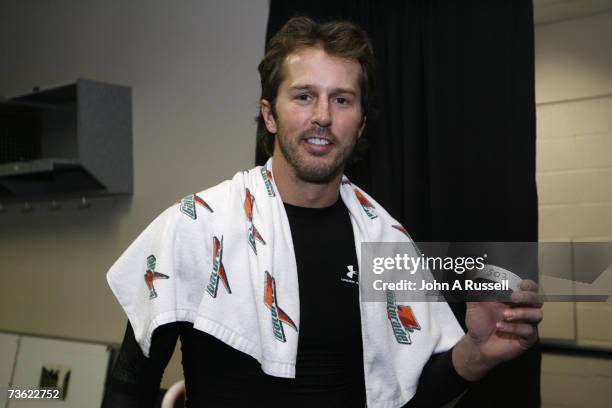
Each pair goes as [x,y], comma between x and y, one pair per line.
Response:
[27,207]
[54,205]
[85,204]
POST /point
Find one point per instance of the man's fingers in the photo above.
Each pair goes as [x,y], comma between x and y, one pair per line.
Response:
[526,298]
[524,314]
[529,285]
[527,294]
[524,330]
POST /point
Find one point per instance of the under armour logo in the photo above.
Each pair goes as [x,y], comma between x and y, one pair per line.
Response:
[353,275]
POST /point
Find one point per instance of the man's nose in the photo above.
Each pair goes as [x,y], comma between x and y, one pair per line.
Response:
[322,115]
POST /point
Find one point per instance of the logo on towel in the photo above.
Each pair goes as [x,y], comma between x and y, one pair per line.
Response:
[352,276]
[402,230]
[253,234]
[402,320]
[278,315]
[218,272]
[188,205]
[267,178]
[368,208]
[151,275]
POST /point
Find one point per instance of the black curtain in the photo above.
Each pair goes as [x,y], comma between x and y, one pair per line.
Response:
[452,142]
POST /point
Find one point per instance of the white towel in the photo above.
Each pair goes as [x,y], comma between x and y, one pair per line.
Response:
[223,259]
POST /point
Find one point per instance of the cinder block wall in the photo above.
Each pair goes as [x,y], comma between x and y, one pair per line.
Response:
[574,177]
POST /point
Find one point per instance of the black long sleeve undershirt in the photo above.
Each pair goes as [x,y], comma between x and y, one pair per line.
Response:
[135,379]
[439,382]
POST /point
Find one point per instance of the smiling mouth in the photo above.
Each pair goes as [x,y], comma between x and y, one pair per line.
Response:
[318,146]
[319,141]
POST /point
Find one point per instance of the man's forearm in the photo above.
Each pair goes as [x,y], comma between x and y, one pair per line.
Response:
[468,361]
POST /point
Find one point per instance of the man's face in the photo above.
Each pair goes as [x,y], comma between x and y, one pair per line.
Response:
[318,114]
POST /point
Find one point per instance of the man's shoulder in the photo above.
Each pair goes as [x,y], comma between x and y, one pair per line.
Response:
[212,199]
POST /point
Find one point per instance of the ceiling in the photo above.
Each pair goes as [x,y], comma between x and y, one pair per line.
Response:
[549,11]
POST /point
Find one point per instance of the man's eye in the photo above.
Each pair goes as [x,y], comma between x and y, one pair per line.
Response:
[342,101]
[303,97]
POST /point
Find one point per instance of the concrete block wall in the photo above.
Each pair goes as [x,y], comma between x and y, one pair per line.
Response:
[571,381]
[574,176]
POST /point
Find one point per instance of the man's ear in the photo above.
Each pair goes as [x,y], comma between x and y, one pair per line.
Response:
[268,116]
[362,127]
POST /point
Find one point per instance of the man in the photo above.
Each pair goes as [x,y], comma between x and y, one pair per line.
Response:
[252,273]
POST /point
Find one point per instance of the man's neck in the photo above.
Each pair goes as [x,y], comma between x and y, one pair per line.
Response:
[301,193]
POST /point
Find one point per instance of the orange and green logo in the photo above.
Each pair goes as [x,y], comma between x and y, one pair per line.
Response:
[151,275]
[253,235]
[402,320]
[267,178]
[188,205]
[278,315]
[218,271]
[368,208]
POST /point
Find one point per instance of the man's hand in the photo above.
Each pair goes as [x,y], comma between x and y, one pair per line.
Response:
[498,331]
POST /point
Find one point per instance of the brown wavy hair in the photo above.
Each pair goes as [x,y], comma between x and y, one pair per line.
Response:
[338,38]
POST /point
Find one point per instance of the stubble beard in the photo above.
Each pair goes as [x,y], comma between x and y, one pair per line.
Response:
[316,173]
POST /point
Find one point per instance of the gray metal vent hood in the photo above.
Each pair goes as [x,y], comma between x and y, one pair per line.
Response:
[66,141]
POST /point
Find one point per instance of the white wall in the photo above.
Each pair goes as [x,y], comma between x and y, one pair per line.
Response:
[192,66]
